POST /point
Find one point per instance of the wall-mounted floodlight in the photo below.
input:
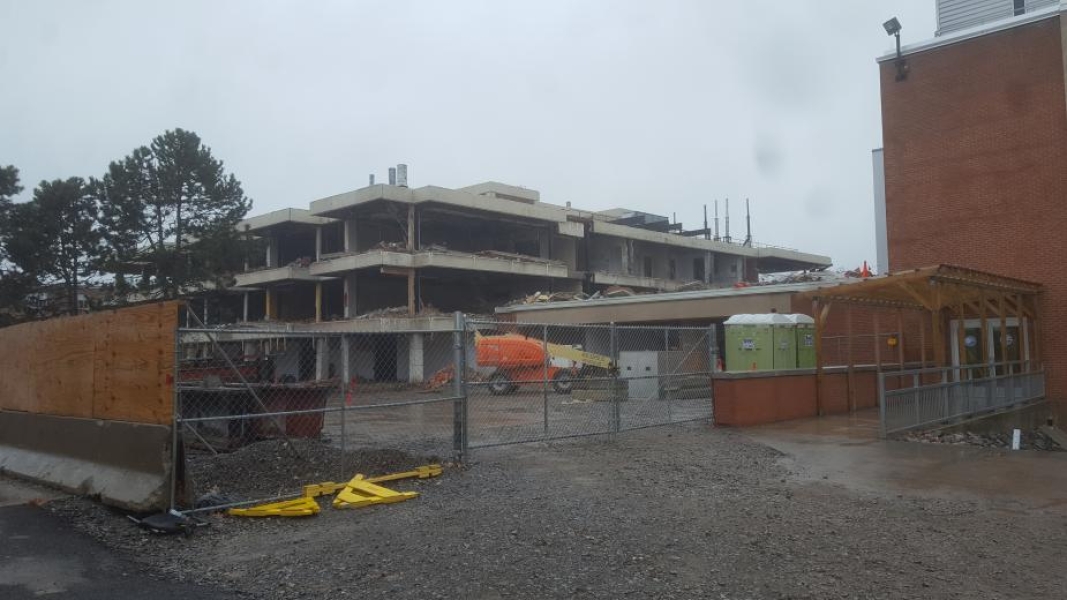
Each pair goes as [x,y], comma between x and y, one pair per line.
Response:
[892,27]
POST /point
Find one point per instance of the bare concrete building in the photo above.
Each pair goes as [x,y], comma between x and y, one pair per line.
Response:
[473,249]
[388,264]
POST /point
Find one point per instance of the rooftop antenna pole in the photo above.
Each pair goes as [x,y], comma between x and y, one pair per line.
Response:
[707,233]
[717,238]
[727,237]
[748,225]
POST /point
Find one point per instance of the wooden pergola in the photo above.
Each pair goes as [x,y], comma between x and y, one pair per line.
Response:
[944,292]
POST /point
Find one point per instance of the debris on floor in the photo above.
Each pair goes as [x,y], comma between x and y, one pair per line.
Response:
[1032,439]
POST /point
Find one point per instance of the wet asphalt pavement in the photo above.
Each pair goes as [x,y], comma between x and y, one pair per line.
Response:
[41,556]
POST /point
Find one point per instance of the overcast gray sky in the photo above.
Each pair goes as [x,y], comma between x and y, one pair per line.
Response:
[657,106]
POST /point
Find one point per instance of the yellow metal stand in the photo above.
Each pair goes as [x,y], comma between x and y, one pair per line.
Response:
[356,493]
[329,487]
[301,507]
[359,493]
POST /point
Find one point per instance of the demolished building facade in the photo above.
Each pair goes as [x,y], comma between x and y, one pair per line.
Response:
[397,261]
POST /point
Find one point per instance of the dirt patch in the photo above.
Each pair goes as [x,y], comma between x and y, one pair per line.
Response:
[276,467]
[1031,439]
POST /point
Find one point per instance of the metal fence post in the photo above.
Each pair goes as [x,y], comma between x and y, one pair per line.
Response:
[175,454]
[544,378]
[459,383]
[616,410]
[881,402]
[713,365]
[345,391]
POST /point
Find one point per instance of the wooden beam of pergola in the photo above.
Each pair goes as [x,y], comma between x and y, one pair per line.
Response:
[938,290]
[930,288]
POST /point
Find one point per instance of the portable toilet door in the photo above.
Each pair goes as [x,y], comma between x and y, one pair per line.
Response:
[805,330]
[749,343]
[785,341]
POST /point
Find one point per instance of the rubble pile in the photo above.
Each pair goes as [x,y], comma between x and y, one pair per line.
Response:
[1031,439]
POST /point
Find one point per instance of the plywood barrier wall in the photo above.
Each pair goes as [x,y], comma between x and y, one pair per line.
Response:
[116,365]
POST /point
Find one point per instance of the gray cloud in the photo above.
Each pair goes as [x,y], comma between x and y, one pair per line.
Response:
[662,107]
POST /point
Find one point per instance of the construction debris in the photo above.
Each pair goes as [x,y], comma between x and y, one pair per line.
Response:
[1032,439]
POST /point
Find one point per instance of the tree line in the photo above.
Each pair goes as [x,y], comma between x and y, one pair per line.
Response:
[161,222]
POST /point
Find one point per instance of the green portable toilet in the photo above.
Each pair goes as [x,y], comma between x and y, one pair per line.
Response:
[749,343]
[785,341]
[805,341]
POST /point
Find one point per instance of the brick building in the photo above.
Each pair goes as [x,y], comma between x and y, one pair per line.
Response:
[975,154]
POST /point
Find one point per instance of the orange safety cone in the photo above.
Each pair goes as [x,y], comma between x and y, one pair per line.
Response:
[348,393]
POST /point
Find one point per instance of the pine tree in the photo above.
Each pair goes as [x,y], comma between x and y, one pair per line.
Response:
[171,207]
[56,236]
[15,284]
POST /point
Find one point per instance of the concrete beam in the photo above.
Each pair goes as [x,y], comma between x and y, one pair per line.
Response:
[503,190]
[257,332]
[656,283]
[341,204]
[572,229]
[464,262]
[349,262]
[276,275]
[297,216]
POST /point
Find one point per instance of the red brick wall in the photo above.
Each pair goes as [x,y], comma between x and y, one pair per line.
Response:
[747,401]
[837,343]
[744,401]
[976,166]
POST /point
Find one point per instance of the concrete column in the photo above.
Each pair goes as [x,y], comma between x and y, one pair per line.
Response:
[270,309]
[627,250]
[416,363]
[244,315]
[318,302]
[322,358]
[544,244]
[351,241]
[272,253]
[350,295]
[318,243]
[709,265]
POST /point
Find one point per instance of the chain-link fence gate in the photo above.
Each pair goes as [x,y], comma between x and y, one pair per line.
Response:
[261,411]
[537,382]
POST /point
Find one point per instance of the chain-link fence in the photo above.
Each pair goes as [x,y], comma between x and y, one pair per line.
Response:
[261,411]
[538,382]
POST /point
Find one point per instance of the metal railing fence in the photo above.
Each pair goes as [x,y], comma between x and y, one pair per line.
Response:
[916,398]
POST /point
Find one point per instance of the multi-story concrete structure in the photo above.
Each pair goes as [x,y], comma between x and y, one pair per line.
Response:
[424,252]
[975,154]
[473,249]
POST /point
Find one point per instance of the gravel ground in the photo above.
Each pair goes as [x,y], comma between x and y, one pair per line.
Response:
[271,468]
[684,512]
[1031,439]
